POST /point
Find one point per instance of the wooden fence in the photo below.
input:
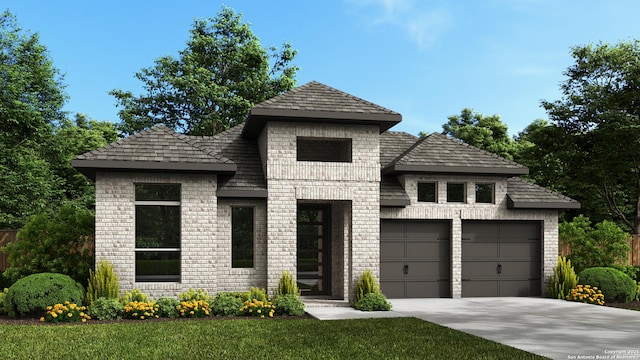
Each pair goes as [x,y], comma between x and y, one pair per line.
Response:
[6,236]
[632,259]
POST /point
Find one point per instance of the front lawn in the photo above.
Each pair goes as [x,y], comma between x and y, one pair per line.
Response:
[395,338]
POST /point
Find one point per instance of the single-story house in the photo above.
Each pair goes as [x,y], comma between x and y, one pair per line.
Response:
[315,183]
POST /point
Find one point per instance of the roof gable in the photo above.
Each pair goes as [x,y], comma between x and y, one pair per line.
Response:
[316,102]
[437,153]
[156,149]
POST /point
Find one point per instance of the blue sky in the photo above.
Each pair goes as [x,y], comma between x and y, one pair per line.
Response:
[424,59]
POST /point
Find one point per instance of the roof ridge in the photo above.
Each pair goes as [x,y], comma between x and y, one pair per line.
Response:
[458,141]
[407,151]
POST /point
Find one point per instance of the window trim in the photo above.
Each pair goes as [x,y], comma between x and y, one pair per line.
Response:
[253,236]
[178,250]
[493,192]
[347,142]
[435,191]
[464,192]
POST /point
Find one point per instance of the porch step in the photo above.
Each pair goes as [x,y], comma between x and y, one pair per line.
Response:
[315,302]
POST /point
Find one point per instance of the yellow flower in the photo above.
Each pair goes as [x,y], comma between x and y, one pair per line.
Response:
[69,315]
[42,319]
[141,317]
[54,315]
[259,311]
[49,308]
[84,320]
[261,316]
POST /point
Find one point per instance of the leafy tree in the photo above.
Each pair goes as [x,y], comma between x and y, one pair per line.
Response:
[597,123]
[604,245]
[31,99]
[213,83]
[55,241]
[485,132]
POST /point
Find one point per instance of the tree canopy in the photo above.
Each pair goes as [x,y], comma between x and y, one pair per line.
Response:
[485,132]
[596,127]
[213,83]
[37,141]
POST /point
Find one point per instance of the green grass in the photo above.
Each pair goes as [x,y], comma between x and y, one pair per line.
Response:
[396,338]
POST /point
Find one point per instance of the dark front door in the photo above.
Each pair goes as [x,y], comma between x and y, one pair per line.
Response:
[313,252]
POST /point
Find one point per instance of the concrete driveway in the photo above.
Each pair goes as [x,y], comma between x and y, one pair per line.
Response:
[552,328]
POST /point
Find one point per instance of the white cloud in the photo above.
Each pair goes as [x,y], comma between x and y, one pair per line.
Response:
[422,25]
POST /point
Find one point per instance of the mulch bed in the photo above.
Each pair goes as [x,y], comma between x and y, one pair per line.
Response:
[5,320]
[634,305]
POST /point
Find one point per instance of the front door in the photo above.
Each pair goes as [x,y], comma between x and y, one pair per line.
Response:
[313,252]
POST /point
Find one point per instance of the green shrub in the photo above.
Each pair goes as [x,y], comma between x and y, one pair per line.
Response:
[55,242]
[637,291]
[287,285]
[226,304]
[373,302]
[167,307]
[258,294]
[105,308]
[3,294]
[196,295]
[134,295]
[563,280]
[632,271]
[5,279]
[366,284]
[289,305]
[615,285]
[32,294]
[604,245]
[242,295]
[103,283]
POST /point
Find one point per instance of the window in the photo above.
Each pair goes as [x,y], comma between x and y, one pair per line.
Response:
[484,193]
[157,249]
[456,192]
[324,149]
[242,237]
[427,192]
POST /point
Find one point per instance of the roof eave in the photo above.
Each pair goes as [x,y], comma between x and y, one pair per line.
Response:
[395,202]
[259,117]
[443,169]
[90,167]
[546,205]
[246,194]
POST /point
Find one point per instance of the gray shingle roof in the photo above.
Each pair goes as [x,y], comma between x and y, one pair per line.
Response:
[437,153]
[157,148]
[392,193]
[394,144]
[248,179]
[315,101]
[522,194]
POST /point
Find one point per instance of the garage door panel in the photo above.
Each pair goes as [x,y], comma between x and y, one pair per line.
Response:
[392,250]
[432,270]
[479,288]
[424,289]
[428,250]
[522,249]
[392,231]
[479,269]
[520,288]
[422,250]
[475,250]
[392,270]
[393,289]
[501,258]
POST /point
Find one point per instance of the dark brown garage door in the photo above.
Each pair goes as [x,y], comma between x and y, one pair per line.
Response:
[415,259]
[501,258]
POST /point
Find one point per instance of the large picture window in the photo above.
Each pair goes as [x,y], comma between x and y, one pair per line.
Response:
[157,232]
[324,149]
[242,234]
